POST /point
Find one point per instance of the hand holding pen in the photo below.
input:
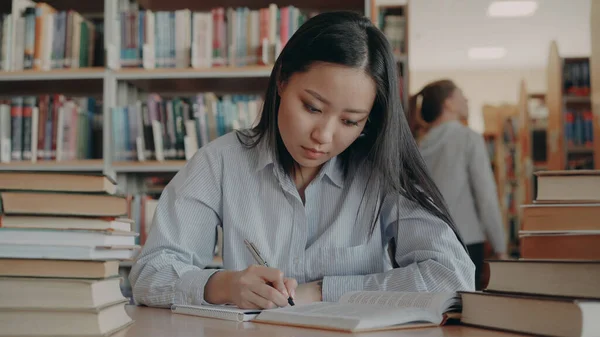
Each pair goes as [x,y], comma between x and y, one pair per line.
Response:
[256,287]
[259,259]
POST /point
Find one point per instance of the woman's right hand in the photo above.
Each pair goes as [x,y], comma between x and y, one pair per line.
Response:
[256,287]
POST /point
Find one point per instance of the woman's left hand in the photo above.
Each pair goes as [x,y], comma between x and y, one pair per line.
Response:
[309,292]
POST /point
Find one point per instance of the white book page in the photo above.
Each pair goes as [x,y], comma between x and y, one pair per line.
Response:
[345,316]
[434,302]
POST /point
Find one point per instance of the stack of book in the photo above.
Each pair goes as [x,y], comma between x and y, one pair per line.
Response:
[62,237]
[554,289]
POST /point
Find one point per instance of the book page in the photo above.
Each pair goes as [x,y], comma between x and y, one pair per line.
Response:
[347,316]
[436,302]
[328,309]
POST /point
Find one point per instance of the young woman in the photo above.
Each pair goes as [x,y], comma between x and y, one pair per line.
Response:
[328,177]
[460,166]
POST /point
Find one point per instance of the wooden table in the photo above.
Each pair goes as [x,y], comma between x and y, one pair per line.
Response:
[154,322]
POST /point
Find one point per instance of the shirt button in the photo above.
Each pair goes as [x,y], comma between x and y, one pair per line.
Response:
[296,261]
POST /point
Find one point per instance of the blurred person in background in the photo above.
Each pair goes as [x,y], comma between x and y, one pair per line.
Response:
[458,161]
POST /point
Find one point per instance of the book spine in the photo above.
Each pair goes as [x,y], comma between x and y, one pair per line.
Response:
[30,18]
[16,114]
[28,105]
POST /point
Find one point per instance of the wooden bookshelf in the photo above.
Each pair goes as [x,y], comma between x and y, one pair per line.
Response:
[502,135]
[118,85]
[595,77]
[398,8]
[53,74]
[248,79]
[181,73]
[556,144]
[526,172]
[570,123]
[162,5]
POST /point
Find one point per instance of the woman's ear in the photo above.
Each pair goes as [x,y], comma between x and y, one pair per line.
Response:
[280,87]
[448,104]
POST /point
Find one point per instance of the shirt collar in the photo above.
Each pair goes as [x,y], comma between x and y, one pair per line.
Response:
[332,168]
[265,156]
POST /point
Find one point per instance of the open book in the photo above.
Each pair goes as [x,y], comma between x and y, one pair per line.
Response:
[369,310]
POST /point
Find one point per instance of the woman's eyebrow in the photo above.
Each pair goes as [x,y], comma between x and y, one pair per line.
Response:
[324,100]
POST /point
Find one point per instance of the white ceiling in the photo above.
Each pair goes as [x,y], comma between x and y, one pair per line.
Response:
[442,31]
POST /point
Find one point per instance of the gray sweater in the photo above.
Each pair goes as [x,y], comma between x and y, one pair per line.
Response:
[457,159]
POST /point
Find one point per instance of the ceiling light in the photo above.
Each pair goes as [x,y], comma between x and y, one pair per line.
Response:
[487,53]
[512,8]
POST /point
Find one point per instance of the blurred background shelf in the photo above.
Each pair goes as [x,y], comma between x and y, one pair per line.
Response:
[182,73]
[53,74]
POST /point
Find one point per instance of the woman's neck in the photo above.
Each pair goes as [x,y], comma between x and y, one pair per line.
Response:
[303,176]
[445,116]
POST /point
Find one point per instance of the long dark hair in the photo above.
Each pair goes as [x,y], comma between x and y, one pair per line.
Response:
[387,147]
[433,96]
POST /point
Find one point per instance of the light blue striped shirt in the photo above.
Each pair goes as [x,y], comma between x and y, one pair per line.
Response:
[226,184]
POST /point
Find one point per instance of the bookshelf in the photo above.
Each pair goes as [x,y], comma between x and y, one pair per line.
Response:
[526,147]
[54,74]
[392,17]
[595,74]
[116,86]
[572,126]
[109,80]
[503,139]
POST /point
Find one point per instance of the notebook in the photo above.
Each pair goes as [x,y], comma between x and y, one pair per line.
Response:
[226,312]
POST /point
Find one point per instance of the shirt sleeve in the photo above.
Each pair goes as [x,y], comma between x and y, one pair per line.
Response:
[429,256]
[485,194]
[170,267]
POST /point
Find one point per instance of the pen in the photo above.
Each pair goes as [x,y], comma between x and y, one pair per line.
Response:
[259,259]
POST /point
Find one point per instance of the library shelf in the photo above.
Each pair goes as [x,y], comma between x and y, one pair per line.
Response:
[577,99]
[84,165]
[355,5]
[53,74]
[182,73]
[580,149]
[151,166]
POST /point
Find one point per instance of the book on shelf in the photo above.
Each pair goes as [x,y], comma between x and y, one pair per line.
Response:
[37,36]
[392,20]
[223,36]
[70,239]
[576,77]
[50,127]
[174,128]
[579,128]
[354,311]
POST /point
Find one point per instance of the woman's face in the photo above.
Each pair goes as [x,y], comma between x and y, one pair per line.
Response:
[323,110]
